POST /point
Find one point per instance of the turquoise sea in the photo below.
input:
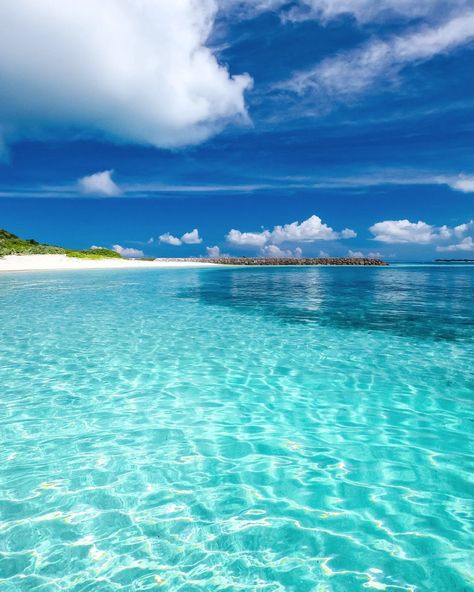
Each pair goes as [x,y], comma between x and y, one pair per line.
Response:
[237,429]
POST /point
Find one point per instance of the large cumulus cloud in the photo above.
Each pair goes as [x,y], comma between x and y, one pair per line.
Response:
[131,70]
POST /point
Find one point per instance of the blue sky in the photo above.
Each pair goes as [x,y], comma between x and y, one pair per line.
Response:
[265,127]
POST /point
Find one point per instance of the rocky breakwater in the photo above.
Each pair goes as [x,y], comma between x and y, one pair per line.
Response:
[297,261]
[287,261]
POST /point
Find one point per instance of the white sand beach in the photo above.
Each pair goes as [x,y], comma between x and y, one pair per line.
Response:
[62,262]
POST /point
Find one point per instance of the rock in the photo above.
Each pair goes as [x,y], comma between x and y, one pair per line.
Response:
[287,261]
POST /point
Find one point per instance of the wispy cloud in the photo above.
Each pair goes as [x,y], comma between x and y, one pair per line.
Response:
[363,11]
[370,178]
[353,72]
[143,189]
[339,180]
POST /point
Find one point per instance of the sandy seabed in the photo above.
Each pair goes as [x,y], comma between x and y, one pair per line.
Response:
[62,262]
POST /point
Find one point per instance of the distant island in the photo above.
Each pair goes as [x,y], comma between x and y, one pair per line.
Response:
[454,260]
[11,245]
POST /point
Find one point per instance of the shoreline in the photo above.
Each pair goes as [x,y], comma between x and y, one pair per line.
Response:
[19,263]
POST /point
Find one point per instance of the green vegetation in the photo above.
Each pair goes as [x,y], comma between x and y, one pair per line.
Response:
[94,254]
[10,244]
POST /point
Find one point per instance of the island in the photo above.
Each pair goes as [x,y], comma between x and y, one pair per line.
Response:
[11,244]
[18,254]
[454,260]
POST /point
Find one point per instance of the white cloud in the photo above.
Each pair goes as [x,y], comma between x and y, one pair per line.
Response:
[188,238]
[404,231]
[463,183]
[466,244]
[191,238]
[445,232]
[248,239]
[130,70]
[213,251]
[275,251]
[360,254]
[127,252]
[369,10]
[350,73]
[99,184]
[463,228]
[348,233]
[362,10]
[170,239]
[309,230]
[324,254]
[369,178]
[95,247]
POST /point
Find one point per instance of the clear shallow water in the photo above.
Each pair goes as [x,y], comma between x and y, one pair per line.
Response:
[237,429]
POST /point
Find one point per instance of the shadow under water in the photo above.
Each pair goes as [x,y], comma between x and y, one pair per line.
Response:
[433,303]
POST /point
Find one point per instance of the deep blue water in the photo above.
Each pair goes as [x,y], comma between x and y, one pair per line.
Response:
[274,429]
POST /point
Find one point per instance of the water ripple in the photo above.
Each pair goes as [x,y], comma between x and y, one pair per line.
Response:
[256,430]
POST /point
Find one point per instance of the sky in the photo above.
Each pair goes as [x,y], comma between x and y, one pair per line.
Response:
[175,128]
